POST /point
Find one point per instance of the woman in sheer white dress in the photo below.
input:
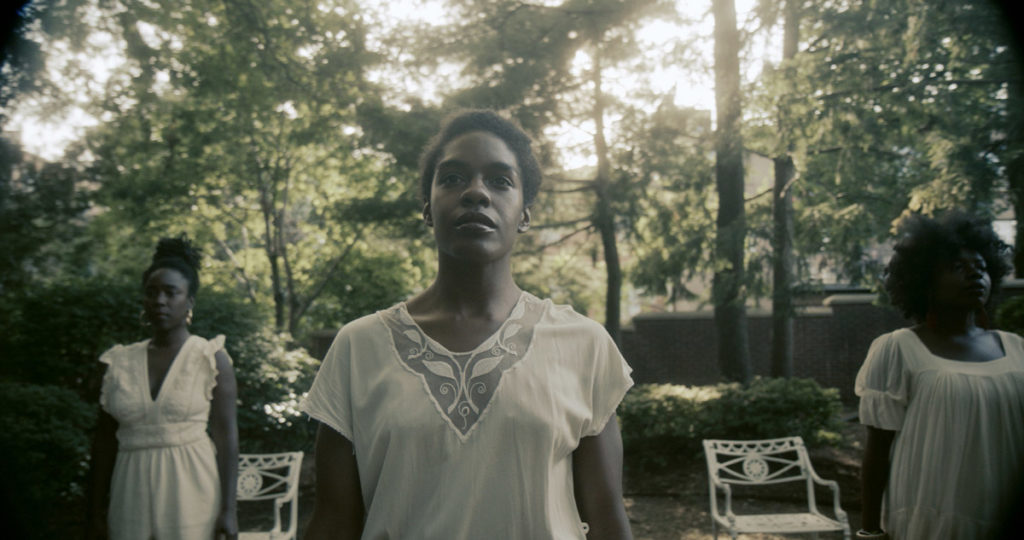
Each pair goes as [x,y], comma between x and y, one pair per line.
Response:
[943,401]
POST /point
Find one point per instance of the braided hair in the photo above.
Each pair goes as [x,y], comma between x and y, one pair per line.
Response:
[178,254]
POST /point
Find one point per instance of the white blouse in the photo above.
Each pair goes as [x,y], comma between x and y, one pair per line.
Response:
[476,444]
[958,454]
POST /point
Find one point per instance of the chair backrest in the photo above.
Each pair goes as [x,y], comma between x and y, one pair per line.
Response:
[268,476]
[766,461]
[272,477]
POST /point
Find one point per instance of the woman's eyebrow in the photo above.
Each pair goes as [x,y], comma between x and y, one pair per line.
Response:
[459,164]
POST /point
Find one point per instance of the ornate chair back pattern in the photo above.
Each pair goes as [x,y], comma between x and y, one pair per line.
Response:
[271,477]
[769,461]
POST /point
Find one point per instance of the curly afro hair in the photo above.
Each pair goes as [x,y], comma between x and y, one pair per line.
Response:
[925,243]
[179,254]
[468,121]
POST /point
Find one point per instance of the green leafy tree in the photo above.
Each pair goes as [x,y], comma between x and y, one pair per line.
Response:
[238,122]
[911,116]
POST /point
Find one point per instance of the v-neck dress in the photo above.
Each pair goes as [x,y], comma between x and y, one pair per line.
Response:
[165,483]
[958,454]
[472,445]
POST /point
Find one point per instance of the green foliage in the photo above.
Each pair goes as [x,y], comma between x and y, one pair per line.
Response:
[779,407]
[661,423]
[914,119]
[665,424]
[45,454]
[272,376]
[38,209]
[56,332]
[1010,315]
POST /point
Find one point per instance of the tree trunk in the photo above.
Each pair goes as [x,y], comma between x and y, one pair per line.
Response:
[727,287]
[1015,168]
[782,269]
[604,216]
[782,218]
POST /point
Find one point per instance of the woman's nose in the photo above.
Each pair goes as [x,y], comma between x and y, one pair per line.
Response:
[476,192]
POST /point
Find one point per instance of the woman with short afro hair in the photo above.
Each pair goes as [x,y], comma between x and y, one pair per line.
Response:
[943,400]
[474,409]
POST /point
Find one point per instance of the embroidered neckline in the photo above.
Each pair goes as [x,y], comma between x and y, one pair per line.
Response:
[461,385]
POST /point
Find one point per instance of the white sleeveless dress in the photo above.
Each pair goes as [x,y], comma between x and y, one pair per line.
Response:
[165,483]
[958,454]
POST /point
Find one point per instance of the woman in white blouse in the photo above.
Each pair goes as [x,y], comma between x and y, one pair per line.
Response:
[943,401]
[473,410]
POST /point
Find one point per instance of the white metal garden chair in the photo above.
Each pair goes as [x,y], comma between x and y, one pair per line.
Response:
[271,477]
[767,462]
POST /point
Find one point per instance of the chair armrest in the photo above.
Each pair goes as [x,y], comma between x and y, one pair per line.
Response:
[727,490]
[728,504]
[834,486]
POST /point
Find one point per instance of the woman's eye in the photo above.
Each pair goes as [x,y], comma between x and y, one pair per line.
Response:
[450,178]
[503,181]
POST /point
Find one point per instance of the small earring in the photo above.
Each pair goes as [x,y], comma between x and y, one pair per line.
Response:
[188,318]
[142,318]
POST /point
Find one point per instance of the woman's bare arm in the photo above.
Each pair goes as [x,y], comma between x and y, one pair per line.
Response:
[338,509]
[597,482]
[224,432]
[874,476]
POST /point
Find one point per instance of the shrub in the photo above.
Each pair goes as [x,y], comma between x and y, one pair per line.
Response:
[272,376]
[45,455]
[663,425]
[661,422]
[1010,315]
[771,408]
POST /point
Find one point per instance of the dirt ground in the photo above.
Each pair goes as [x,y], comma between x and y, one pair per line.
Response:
[675,506]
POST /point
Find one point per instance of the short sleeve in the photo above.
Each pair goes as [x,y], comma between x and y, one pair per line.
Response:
[109,376]
[210,349]
[329,399]
[609,383]
[883,384]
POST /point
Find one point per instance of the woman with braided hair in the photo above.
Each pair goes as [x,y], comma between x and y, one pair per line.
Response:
[165,454]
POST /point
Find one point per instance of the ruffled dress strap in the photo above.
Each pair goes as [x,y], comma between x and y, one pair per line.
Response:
[111,358]
[209,352]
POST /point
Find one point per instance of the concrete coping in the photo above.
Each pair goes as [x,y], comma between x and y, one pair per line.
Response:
[848,299]
[801,311]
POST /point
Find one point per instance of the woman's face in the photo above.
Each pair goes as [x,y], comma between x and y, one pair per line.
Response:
[476,199]
[962,282]
[165,300]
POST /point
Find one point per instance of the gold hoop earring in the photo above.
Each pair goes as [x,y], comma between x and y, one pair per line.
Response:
[142,318]
[188,318]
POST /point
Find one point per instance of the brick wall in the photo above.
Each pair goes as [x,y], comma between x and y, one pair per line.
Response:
[829,343]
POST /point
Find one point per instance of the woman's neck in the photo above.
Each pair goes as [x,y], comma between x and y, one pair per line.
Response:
[171,337]
[471,290]
[951,322]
